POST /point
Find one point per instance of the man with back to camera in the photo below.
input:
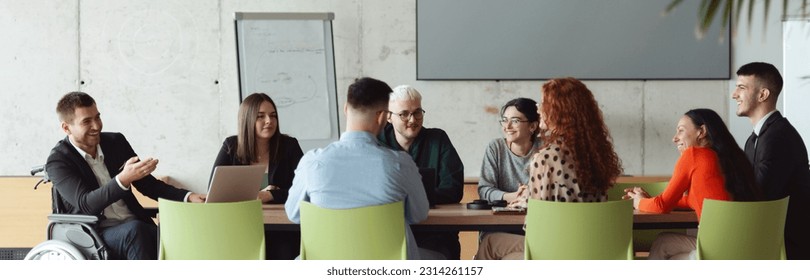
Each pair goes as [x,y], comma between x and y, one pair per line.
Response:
[776,150]
[94,172]
[357,170]
[429,148]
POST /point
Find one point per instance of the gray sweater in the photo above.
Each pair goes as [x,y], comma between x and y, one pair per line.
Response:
[502,171]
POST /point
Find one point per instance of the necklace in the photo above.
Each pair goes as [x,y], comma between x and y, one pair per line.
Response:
[520,152]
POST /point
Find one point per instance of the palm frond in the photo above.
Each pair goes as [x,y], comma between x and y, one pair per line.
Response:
[704,5]
[765,20]
[750,14]
[672,5]
[708,10]
[726,15]
[737,13]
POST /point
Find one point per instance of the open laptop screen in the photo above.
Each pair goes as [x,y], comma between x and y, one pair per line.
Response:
[235,183]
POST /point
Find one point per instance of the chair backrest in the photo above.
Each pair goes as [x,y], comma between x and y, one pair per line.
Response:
[579,231]
[735,230]
[211,231]
[366,233]
[653,188]
[642,238]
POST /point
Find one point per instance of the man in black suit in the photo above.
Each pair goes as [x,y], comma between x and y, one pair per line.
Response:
[776,150]
[93,173]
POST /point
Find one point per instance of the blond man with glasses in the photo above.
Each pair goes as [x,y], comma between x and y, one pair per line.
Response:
[429,148]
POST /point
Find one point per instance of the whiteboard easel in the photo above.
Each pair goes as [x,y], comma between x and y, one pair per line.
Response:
[290,57]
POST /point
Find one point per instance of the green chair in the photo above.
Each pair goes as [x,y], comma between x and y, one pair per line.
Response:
[734,230]
[642,238]
[211,231]
[579,231]
[365,233]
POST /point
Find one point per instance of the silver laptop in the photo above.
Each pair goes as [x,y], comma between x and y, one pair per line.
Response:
[235,183]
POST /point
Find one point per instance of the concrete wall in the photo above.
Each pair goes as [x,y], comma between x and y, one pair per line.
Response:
[164,74]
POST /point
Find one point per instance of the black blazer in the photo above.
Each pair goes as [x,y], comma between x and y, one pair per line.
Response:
[781,169]
[280,174]
[78,188]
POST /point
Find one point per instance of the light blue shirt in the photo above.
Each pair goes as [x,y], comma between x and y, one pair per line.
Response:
[358,171]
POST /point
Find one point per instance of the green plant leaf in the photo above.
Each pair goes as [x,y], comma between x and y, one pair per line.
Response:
[765,19]
[709,9]
[726,14]
[750,15]
[737,15]
[672,5]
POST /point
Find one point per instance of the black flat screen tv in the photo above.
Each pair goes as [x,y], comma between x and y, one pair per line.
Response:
[585,39]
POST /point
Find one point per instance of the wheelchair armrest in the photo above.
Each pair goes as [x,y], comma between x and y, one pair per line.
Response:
[74,218]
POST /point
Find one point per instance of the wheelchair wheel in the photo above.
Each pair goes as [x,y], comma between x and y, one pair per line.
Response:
[54,250]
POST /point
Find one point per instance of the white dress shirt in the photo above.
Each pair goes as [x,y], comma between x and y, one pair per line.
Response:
[117,212]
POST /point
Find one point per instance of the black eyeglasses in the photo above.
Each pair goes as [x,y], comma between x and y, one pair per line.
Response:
[513,121]
[405,115]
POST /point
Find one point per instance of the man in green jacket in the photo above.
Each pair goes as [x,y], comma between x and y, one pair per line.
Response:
[429,148]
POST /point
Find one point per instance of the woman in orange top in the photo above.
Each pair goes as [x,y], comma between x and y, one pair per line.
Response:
[711,166]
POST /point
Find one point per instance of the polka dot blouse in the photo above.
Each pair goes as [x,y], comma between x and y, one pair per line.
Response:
[553,178]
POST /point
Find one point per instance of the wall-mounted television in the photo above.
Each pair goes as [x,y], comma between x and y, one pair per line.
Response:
[586,39]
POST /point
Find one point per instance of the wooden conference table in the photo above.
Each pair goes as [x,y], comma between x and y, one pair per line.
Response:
[457,217]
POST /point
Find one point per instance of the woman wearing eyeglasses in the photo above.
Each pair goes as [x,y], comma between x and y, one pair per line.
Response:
[504,172]
[259,142]
[576,164]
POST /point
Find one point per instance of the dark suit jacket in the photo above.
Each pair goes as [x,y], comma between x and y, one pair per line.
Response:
[781,169]
[279,174]
[79,190]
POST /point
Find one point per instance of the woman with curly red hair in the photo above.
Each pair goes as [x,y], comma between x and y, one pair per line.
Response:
[576,164]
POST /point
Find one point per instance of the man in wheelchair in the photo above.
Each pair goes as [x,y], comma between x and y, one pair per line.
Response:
[93,173]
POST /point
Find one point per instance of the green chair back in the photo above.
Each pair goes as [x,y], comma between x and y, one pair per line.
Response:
[734,230]
[642,238]
[579,231]
[211,231]
[365,233]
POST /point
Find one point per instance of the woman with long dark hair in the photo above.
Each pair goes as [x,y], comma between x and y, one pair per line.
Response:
[711,166]
[259,142]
